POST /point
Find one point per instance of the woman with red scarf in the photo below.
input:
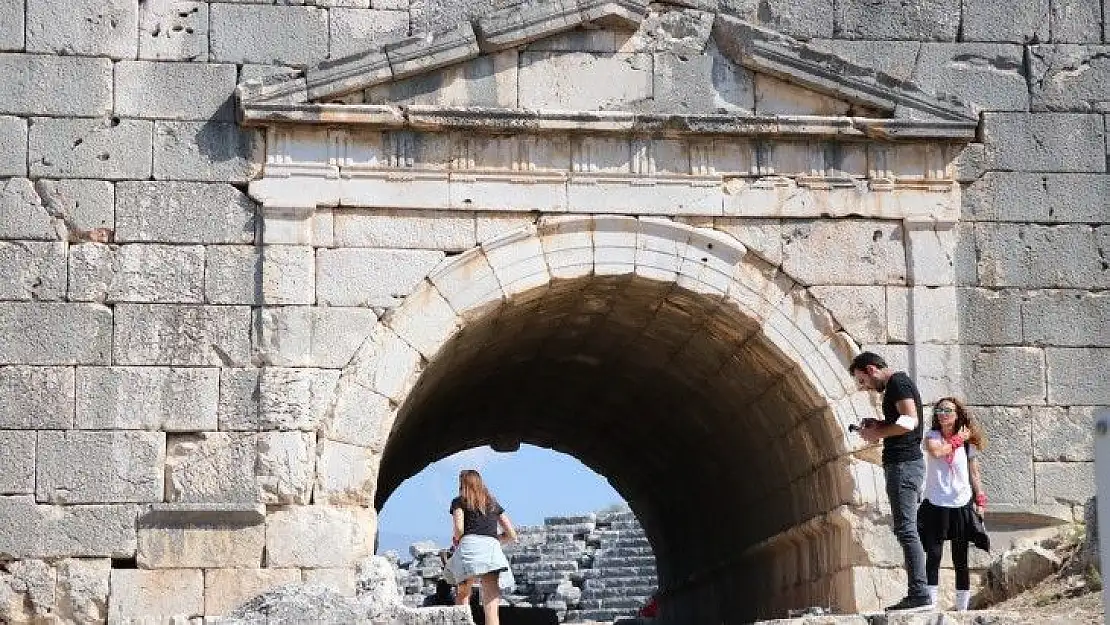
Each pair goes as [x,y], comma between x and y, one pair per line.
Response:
[954,498]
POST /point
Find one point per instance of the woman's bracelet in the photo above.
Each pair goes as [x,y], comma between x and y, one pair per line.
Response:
[956,442]
[981,499]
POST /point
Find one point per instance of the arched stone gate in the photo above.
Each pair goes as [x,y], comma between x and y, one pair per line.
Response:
[705,383]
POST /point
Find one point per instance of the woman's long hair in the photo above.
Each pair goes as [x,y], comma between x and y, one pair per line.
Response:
[473,492]
[963,418]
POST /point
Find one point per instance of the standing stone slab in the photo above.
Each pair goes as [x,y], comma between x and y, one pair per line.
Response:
[110,467]
[991,76]
[28,530]
[11,25]
[366,277]
[32,271]
[173,30]
[211,467]
[55,333]
[87,208]
[13,146]
[232,275]
[182,335]
[137,273]
[936,20]
[17,463]
[208,151]
[82,594]
[181,91]
[158,595]
[1018,22]
[319,536]
[286,35]
[36,398]
[33,83]
[84,27]
[147,398]
[1049,142]
[109,149]
[183,212]
[1070,78]
[1077,376]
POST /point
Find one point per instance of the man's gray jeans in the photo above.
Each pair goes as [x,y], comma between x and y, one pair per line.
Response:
[903,488]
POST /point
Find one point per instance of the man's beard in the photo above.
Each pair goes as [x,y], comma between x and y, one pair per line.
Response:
[880,385]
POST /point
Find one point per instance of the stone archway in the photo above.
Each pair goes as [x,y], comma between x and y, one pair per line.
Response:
[709,387]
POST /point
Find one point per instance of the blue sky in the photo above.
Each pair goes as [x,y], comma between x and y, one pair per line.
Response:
[530,483]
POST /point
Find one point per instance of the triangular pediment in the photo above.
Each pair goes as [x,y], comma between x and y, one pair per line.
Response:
[564,64]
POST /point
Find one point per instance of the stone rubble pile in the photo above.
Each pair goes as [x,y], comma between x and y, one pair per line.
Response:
[592,567]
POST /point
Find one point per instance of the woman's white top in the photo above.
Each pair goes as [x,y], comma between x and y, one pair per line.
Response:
[947,485]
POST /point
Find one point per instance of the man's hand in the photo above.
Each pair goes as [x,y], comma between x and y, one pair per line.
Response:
[870,431]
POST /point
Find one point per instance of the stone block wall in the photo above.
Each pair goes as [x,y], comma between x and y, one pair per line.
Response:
[160,370]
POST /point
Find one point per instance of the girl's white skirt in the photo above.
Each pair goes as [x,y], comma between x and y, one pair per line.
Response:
[477,555]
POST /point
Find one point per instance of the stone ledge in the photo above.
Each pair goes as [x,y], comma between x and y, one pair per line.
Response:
[188,514]
[1027,515]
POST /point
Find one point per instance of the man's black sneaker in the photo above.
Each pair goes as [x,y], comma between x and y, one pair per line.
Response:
[912,604]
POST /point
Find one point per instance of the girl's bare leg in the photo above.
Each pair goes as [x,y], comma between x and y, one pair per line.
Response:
[491,598]
[462,592]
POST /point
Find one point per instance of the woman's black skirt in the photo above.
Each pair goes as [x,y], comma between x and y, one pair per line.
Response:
[936,524]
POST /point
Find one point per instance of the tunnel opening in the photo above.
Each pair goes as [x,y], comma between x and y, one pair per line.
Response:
[729,455]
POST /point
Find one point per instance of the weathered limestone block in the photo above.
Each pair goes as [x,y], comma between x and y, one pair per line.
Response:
[209,545]
[226,589]
[36,398]
[86,208]
[33,83]
[489,80]
[701,83]
[137,273]
[1008,475]
[774,96]
[800,20]
[107,149]
[33,271]
[17,463]
[288,35]
[896,59]
[55,333]
[356,30]
[365,277]
[1023,22]
[1049,142]
[295,399]
[1066,318]
[583,81]
[1077,376]
[213,467]
[488,226]
[341,581]
[861,310]
[232,274]
[386,364]
[182,335]
[936,20]
[285,467]
[159,594]
[83,27]
[182,91]
[13,146]
[447,231]
[345,474]
[319,536]
[27,590]
[25,217]
[28,530]
[207,151]
[1070,78]
[287,604]
[990,317]
[182,212]
[1005,376]
[358,416]
[1043,198]
[93,467]
[288,274]
[12,23]
[147,398]
[431,15]
[307,336]
[426,321]
[1077,21]
[173,30]
[82,591]
[1065,482]
[238,407]
[844,252]
[1064,434]
[988,75]
[1027,255]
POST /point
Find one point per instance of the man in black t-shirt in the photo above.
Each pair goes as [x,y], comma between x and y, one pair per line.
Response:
[903,463]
